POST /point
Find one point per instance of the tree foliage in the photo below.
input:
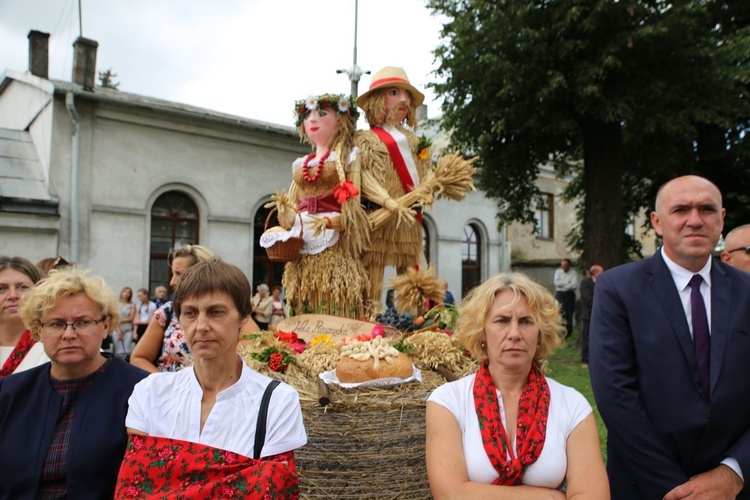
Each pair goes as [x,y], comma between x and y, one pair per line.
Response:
[107,80]
[641,91]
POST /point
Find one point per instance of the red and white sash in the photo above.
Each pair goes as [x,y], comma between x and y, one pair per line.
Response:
[398,148]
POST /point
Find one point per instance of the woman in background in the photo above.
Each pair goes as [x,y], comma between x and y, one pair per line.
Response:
[262,307]
[123,334]
[19,350]
[277,313]
[145,309]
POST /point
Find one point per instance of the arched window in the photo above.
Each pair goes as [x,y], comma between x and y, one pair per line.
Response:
[471,258]
[174,222]
[264,270]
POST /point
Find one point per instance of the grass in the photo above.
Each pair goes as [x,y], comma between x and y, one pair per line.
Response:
[565,367]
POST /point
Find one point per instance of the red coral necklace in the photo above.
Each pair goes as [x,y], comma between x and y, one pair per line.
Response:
[318,171]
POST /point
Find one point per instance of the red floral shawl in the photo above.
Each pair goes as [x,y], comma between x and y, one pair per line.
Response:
[23,346]
[533,409]
[156,467]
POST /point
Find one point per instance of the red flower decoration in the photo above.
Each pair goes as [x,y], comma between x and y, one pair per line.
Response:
[299,346]
[288,337]
[344,190]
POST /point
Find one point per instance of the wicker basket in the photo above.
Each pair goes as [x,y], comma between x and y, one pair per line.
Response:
[285,251]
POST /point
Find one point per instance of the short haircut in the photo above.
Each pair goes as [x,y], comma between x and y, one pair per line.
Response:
[195,253]
[542,306]
[160,287]
[23,266]
[736,230]
[63,283]
[214,275]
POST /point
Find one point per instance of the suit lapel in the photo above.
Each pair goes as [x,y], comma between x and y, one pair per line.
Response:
[721,298]
[666,292]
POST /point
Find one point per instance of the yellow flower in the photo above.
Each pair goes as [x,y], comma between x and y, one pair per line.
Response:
[423,154]
[323,338]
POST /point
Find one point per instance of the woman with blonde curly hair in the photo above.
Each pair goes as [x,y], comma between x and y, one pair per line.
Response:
[63,423]
[508,431]
[328,276]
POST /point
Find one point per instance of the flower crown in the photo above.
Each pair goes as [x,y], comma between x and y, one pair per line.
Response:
[339,102]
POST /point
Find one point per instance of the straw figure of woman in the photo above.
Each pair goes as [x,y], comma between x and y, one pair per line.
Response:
[328,276]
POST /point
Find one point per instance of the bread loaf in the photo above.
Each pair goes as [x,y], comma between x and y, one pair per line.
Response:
[363,361]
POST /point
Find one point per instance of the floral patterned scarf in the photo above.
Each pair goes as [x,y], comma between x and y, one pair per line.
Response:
[23,346]
[156,467]
[531,430]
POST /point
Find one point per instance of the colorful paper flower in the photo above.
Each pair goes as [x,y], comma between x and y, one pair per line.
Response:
[344,104]
[323,339]
[311,102]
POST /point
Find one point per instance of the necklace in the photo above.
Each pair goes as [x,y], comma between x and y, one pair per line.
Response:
[318,171]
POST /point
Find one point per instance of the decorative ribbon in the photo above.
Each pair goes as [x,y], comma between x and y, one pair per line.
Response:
[345,190]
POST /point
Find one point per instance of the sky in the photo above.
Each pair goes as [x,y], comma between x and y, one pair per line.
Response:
[251,58]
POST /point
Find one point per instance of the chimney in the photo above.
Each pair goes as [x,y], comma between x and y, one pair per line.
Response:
[84,64]
[39,53]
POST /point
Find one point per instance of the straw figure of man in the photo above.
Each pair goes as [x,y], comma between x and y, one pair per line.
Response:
[398,177]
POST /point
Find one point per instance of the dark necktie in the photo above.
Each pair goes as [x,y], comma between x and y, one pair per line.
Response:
[701,337]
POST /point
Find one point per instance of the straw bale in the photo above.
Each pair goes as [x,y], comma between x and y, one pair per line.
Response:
[369,442]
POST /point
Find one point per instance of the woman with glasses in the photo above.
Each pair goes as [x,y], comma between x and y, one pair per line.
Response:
[62,424]
[18,349]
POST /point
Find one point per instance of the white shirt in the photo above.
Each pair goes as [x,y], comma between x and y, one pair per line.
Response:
[168,405]
[35,357]
[567,409]
[681,278]
[565,282]
[145,311]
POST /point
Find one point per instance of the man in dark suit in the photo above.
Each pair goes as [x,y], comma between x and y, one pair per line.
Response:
[671,376]
[587,303]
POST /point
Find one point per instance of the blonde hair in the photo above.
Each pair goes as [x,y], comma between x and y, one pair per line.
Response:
[65,283]
[195,253]
[542,306]
[342,140]
[376,113]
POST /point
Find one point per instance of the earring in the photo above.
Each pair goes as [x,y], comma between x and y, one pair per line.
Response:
[484,345]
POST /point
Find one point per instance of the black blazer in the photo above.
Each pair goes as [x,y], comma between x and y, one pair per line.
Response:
[662,429]
[29,408]
[586,289]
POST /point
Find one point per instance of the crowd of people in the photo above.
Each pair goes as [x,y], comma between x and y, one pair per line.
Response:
[668,363]
[666,339]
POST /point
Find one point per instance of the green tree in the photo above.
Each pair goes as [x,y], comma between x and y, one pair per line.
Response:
[107,80]
[624,86]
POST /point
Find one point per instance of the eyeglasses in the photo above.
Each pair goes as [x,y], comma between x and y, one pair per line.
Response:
[746,248]
[82,326]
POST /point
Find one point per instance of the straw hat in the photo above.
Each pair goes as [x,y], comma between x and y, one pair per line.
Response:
[391,76]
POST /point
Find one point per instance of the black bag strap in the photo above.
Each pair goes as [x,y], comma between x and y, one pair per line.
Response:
[260,427]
